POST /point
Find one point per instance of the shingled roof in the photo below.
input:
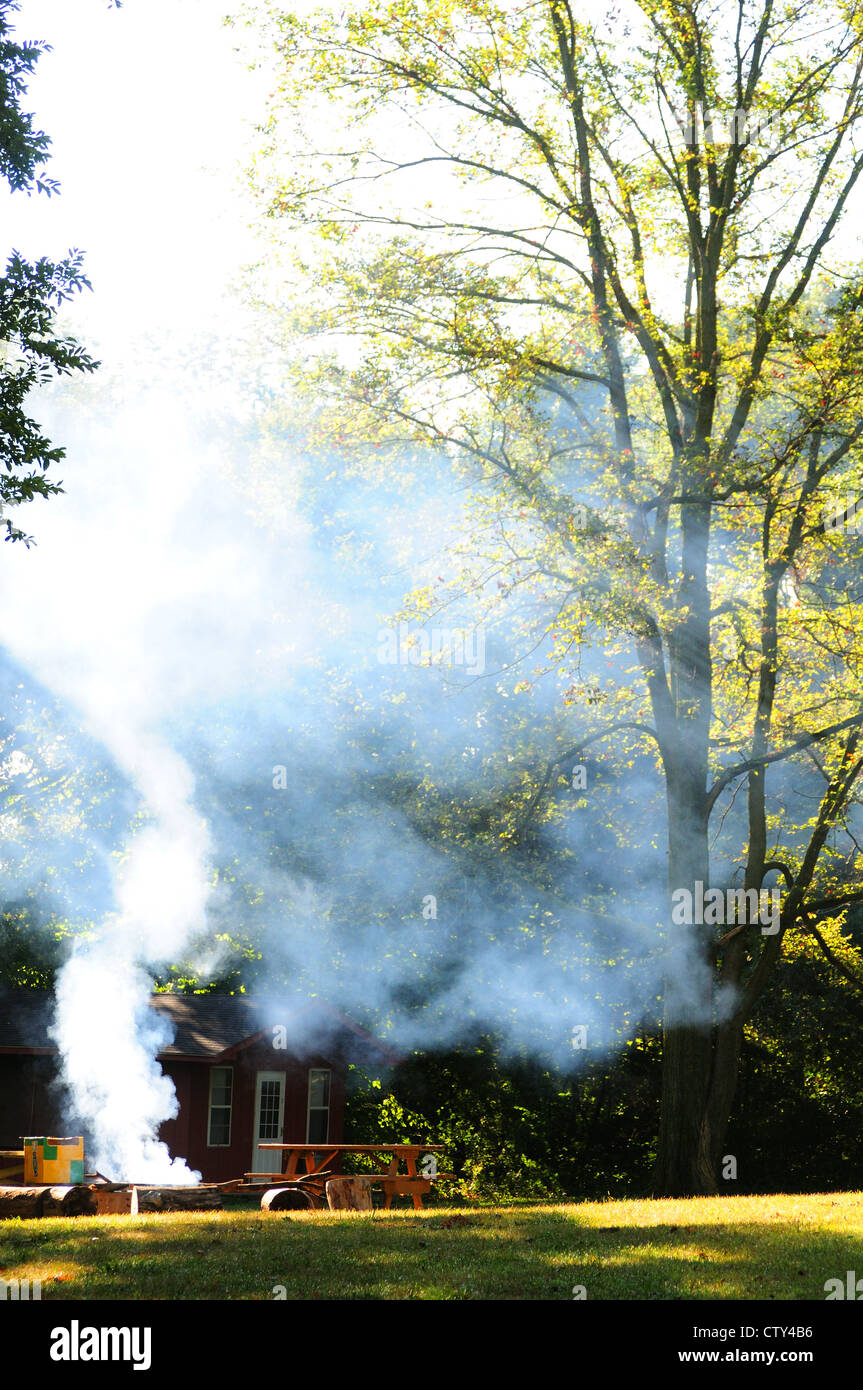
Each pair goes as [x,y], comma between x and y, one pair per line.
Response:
[205,1026]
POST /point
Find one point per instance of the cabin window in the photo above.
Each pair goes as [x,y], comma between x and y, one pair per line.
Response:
[270,1109]
[318,1128]
[221,1091]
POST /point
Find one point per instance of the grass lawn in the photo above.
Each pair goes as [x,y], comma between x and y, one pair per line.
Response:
[782,1247]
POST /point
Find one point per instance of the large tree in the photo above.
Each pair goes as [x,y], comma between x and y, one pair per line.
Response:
[597,259]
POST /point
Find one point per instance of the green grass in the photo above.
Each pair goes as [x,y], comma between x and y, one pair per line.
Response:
[782,1247]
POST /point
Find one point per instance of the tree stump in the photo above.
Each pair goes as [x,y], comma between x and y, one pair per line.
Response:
[349,1194]
[113,1202]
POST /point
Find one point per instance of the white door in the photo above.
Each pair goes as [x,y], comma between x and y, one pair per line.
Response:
[269,1119]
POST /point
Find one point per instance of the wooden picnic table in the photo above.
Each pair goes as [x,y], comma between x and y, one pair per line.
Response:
[11,1165]
[394,1181]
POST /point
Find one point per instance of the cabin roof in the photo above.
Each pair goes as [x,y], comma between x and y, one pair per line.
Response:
[204,1026]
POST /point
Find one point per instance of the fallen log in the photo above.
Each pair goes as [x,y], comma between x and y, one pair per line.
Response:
[69,1201]
[22,1201]
[204,1198]
[294,1198]
[350,1194]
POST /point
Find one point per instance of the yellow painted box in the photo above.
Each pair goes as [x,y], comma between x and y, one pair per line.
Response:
[52,1160]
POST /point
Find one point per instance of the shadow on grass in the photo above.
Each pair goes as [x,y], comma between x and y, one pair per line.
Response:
[519,1255]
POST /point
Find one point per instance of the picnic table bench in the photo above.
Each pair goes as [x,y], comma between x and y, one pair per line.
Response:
[11,1165]
[392,1179]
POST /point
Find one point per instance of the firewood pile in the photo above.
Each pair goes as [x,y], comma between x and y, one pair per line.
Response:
[31,1200]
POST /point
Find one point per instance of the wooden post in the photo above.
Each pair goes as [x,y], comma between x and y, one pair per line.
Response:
[350,1194]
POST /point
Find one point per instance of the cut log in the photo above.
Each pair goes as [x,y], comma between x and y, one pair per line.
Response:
[202,1198]
[69,1201]
[288,1199]
[350,1194]
[114,1201]
[21,1201]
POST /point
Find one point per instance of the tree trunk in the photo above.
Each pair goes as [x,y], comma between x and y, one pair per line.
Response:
[686,1154]
[685,1165]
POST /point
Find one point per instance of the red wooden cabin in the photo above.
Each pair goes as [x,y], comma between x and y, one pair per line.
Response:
[245,1071]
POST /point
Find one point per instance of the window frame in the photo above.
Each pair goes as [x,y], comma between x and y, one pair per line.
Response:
[327,1071]
[229,1107]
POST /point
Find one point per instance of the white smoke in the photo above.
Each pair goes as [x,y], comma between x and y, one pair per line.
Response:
[177,610]
[121,1094]
[107,1034]
[111,611]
